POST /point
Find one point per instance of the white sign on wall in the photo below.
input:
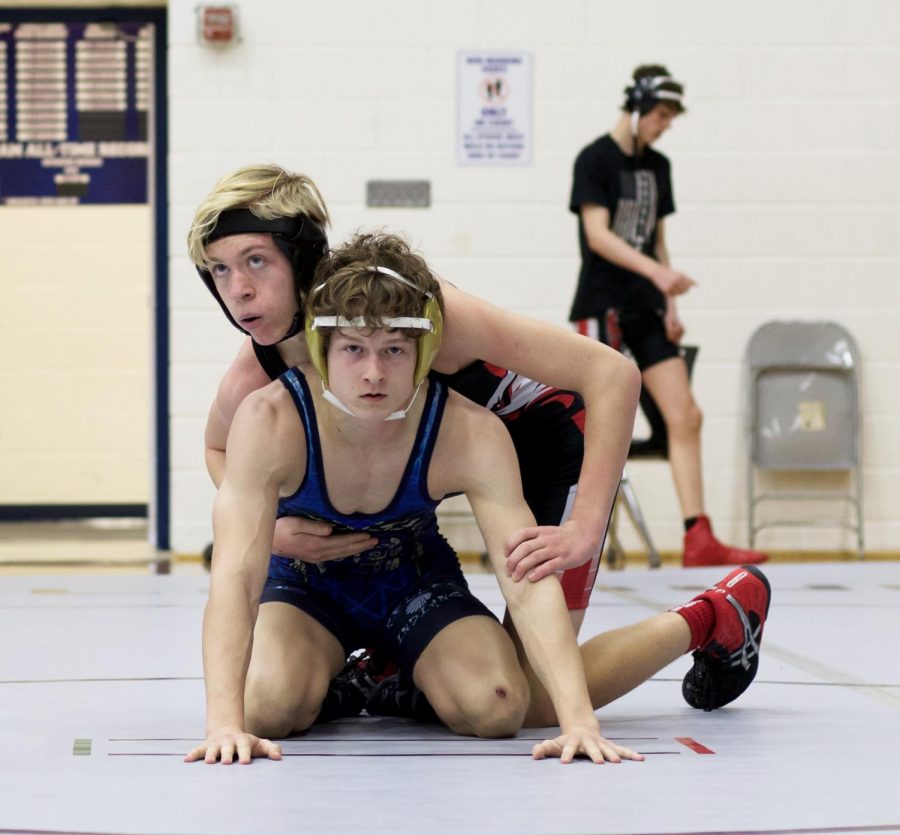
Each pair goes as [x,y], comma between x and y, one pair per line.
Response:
[494,108]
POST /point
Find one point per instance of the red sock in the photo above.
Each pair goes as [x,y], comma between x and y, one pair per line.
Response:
[701,618]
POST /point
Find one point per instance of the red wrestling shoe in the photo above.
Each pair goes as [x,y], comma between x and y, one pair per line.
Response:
[701,548]
[727,663]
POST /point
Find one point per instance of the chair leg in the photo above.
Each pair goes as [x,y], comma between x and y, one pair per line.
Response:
[634,511]
[857,478]
[615,553]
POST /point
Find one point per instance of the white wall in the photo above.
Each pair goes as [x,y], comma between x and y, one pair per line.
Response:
[786,175]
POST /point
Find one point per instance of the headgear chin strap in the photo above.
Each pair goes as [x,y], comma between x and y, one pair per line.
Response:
[332,398]
[302,242]
[431,321]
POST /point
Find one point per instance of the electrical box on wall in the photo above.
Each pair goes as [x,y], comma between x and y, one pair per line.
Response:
[217,25]
[399,193]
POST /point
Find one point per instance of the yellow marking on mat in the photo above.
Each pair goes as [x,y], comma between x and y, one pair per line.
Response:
[49,591]
[81,748]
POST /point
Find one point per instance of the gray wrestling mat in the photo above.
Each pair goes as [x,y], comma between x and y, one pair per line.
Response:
[101,695]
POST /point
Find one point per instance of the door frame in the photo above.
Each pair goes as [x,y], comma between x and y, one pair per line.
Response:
[158,510]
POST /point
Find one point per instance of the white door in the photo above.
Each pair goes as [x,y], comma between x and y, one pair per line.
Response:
[76,261]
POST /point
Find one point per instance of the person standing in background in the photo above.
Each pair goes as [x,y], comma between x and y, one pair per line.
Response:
[622,193]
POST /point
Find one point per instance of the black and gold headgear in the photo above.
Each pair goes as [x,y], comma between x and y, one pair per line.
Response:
[429,319]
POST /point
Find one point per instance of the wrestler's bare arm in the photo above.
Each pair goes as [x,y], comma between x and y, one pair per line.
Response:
[475,455]
[244,375]
[266,452]
[300,538]
[609,385]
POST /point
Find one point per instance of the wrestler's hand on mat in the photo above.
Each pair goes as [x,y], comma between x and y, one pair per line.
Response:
[583,741]
[671,282]
[310,541]
[539,551]
[223,746]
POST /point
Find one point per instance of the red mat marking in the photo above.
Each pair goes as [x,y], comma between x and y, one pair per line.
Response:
[695,746]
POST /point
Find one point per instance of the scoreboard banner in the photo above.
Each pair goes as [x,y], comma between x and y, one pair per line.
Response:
[75,110]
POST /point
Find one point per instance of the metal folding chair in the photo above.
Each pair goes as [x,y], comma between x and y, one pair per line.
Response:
[803,415]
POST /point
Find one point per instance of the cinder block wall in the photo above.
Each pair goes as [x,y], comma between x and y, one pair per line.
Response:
[785,168]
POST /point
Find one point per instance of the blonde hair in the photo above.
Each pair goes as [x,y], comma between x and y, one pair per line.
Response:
[268,191]
[347,286]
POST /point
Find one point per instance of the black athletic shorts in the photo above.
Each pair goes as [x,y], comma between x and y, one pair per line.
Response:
[643,333]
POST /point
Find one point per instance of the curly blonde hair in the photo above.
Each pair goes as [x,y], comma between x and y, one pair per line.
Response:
[346,285]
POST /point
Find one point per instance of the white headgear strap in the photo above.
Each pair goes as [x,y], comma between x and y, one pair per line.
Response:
[360,322]
[654,84]
[393,274]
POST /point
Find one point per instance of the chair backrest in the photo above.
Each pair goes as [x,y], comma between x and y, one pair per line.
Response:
[798,344]
[803,396]
[656,445]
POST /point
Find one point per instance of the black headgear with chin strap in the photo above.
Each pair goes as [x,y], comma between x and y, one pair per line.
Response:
[651,86]
[302,241]
[647,91]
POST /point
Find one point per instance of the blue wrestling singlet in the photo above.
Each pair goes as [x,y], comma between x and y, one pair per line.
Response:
[406,588]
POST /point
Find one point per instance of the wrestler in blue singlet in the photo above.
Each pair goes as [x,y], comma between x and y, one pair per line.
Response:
[398,595]
[547,428]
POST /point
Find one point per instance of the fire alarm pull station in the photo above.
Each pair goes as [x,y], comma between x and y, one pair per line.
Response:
[217,24]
